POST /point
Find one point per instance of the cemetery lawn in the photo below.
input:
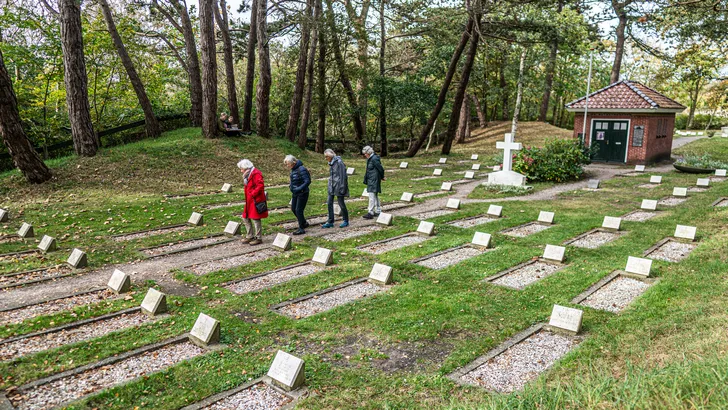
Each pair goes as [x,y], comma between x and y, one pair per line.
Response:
[393,350]
[716,148]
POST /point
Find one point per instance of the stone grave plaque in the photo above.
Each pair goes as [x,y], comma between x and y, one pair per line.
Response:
[566,318]
[290,203]
[554,253]
[686,232]
[639,168]
[426,228]
[365,193]
[437,172]
[78,259]
[593,184]
[26,231]
[384,219]
[446,186]
[154,303]
[4,215]
[119,282]
[403,165]
[442,161]
[475,167]
[704,182]
[287,371]
[495,210]
[48,244]
[469,175]
[481,239]
[638,266]
[546,217]
[496,168]
[474,157]
[612,222]
[350,171]
[227,188]
[679,191]
[381,274]
[232,228]
[196,219]
[656,179]
[323,256]
[282,242]
[206,331]
[718,173]
[407,196]
[453,203]
[649,204]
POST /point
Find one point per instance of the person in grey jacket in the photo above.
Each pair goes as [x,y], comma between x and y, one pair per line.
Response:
[338,187]
[373,177]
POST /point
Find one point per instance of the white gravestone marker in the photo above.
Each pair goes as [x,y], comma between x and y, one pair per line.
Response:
[323,256]
[337,210]
[119,282]
[227,188]
[350,171]
[442,161]
[403,165]
[593,184]
[232,228]
[78,259]
[474,157]
[26,231]
[566,318]
[381,274]
[639,168]
[507,176]
[453,203]
[446,186]
[48,244]
[365,193]
[718,173]
[656,179]
[496,168]
[554,253]
[154,303]
[196,219]
[704,182]
[612,222]
[282,242]
[546,217]
[638,266]
[679,191]
[649,204]
[481,239]
[685,232]
[437,172]
[495,210]
[3,215]
[407,196]
[287,371]
[475,167]
[469,175]
[206,331]
[384,219]
[426,228]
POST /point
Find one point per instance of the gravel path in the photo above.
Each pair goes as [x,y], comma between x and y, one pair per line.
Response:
[49,273]
[428,194]
[639,216]
[313,221]
[452,257]
[471,222]
[274,278]
[233,261]
[10,317]
[72,388]
[390,245]
[140,235]
[427,177]
[351,233]
[257,397]
[520,278]
[512,369]
[526,230]
[595,239]
[673,251]
[616,295]
[671,201]
[48,341]
[178,246]
[225,205]
[328,301]
[432,214]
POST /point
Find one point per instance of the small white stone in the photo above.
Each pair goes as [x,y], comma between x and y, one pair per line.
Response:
[4,215]
[474,157]
[384,219]
[612,222]
[639,168]
[282,242]
[437,172]
[403,165]
[469,175]
[649,204]
[337,210]
[546,217]
[686,232]
[475,167]
[119,282]
[566,318]
[364,193]
[656,179]
[78,259]
[679,191]
[453,203]
[232,228]
[26,231]
[206,331]
[227,188]
[196,219]
[593,184]
[427,228]
[48,244]
[287,371]
[407,196]
[720,172]
[154,303]
[554,253]
[481,239]
[496,168]
[323,256]
[442,161]
[495,210]
[381,274]
[704,182]
[446,186]
[350,171]
[638,266]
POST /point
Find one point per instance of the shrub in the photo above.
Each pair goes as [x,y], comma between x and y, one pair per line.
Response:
[701,161]
[560,160]
[700,122]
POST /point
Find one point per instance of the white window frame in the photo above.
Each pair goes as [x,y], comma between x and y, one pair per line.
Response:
[629,132]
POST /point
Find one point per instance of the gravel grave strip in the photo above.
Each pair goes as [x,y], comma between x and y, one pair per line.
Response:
[395,206]
[648,186]
[714,178]
[274,278]
[722,203]
[521,363]
[424,178]
[432,214]
[14,257]
[616,295]
[471,222]
[526,230]
[74,387]
[233,261]
[257,397]
[639,216]
[452,257]
[392,244]
[520,278]
[172,247]
[671,201]
[595,239]
[429,194]
[140,235]
[10,239]
[461,181]
[11,317]
[313,221]
[672,251]
[697,189]
[351,233]
[328,301]
[44,274]
[225,205]
[35,344]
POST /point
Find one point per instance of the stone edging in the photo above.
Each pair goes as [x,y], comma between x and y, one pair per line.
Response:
[52,300]
[602,282]
[585,234]
[293,395]
[505,231]
[470,218]
[188,270]
[192,248]
[356,281]
[35,281]
[19,253]
[118,235]
[664,241]
[266,273]
[432,255]
[719,200]
[382,241]
[522,265]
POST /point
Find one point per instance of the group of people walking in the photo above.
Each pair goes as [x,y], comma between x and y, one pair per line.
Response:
[256,205]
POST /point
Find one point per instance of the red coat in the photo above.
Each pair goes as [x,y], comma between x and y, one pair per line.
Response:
[254,190]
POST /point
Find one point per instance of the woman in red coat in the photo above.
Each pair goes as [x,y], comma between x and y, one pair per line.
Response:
[254,195]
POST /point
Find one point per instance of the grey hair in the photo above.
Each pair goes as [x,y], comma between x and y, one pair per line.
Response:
[245,164]
[367,150]
[329,152]
[290,159]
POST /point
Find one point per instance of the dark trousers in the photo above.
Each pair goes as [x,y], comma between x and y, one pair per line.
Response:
[342,205]
[298,205]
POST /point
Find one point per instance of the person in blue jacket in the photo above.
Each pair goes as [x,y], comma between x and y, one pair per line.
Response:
[300,180]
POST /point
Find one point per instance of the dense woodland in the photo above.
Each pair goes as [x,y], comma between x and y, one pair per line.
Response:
[386,73]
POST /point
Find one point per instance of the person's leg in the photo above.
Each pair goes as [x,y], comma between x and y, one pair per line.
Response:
[294,204]
[377,205]
[330,207]
[257,235]
[248,230]
[344,212]
[301,209]
[372,203]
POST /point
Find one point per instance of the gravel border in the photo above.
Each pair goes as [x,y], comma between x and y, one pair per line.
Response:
[191,195]
[639,215]
[720,202]
[648,186]
[267,280]
[426,177]
[328,299]
[35,276]
[19,254]
[524,274]
[473,221]
[671,201]
[257,396]
[294,396]
[614,294]
[698,189]
[10,239]
[598,238]
[429,194]
[19,314]
[527,229]
[124,237]
[225,205]
[232,261]
[390,244]
[422,216]
[185,246]
[345,234]
[670,250]
[449,257]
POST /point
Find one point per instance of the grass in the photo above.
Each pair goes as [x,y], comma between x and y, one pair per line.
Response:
[666,351]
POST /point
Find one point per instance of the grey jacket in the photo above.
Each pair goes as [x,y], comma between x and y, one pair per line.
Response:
[338,180]
[374,174]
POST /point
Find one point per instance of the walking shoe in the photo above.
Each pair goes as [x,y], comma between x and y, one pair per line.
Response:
[306,225]
[246,240]
[376,215]
[299,231]
[368,216]
[344,224]
[255,242]
[327,225]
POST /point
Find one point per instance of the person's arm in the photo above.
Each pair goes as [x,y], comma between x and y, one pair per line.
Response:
[258,185]
[306,178]
[380,169]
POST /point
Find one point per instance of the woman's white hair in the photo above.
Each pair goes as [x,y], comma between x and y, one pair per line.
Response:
[245,164]
[290,159]
[329,152]
[367,150]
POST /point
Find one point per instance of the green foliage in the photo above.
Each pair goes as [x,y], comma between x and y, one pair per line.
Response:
[702,161]
[560,160]
[700,121]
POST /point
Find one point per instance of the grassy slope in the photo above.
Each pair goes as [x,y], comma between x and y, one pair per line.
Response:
[666,351]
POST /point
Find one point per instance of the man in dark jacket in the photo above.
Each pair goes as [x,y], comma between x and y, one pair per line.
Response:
[373,177]
[338,187]
[300,180]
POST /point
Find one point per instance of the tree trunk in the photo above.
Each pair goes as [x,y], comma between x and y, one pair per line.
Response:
[298,88]
[519,94]
[693,95]
[482,123]
[151,123]
[221,15]
[11,130]
[443,90]
[619,9]
[362,51]
[321,88]
[382,97]
[550,70]
[262,96]
[463,127]
[85,141]
[303,134]
[250,68]
[193,62]
[209,68]
[503,86]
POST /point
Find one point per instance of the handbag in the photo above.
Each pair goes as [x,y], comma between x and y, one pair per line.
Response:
[261,207]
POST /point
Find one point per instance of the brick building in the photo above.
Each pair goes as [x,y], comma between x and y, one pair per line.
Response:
[628,121]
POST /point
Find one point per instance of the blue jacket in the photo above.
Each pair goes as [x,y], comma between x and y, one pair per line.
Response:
[300,179]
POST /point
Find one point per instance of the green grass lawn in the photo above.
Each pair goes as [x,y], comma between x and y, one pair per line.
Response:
[666,351]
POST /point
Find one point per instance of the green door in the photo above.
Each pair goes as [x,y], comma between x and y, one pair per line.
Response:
[611,139]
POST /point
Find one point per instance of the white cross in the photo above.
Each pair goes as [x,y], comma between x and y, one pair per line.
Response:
[507,146]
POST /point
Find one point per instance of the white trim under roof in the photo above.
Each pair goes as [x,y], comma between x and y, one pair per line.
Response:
[627,110]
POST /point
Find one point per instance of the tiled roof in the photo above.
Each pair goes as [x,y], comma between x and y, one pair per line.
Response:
[626,94]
